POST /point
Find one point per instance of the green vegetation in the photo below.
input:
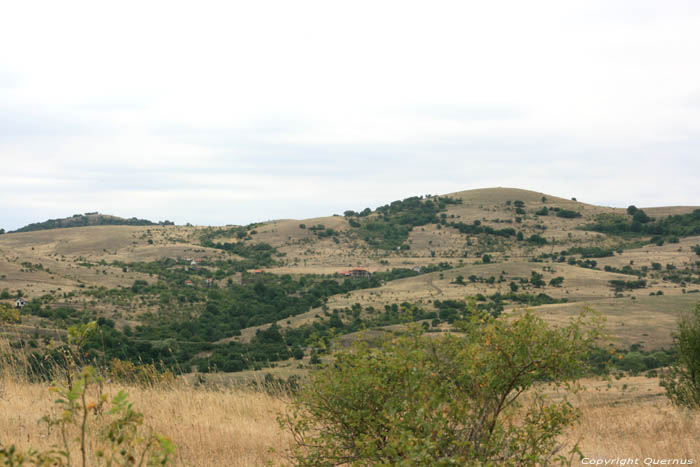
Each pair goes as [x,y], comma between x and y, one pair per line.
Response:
[82,220]
[476,228]
[451,310]
[589,252]
[633,360]
[396,404]
[619,285]
[388,229]
[566,213]
[8,314]
[682,380]
[682,225]
[192,319]
[556,281]
[256,254]
[536,239]
[322,232]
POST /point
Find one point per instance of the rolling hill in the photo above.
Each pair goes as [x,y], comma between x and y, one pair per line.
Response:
[209,296]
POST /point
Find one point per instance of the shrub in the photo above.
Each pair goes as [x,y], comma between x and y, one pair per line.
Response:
[537,240]
[556,281]
[619,285]
[568,214]
[8,314]
[395,404]
[682,380]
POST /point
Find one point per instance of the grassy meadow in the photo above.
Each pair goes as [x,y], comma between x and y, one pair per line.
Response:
[236,425]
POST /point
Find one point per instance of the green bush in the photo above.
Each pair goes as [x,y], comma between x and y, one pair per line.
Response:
[682,380]
[568,214]
[537,239]
[415,400]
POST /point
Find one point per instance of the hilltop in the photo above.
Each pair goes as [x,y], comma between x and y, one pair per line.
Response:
[87,219]
[237,297]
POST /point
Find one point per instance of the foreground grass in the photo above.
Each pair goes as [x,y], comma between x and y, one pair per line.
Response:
[634,419]
[237,427]
[209,427]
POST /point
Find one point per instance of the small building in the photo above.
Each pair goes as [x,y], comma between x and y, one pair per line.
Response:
[189,283]
[209,282]
[256,271]
[417,268]
[20,302]
[356,272]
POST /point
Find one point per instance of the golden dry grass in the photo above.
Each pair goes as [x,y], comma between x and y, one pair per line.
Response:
[623,418]
[633,419]
[209,427]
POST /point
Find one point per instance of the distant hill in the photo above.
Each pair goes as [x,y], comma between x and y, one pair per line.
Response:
[208,297]
[87,219]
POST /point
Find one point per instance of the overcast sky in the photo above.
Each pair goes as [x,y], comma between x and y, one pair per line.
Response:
[232,112]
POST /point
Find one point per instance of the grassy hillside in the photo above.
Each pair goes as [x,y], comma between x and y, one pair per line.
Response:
[190,297]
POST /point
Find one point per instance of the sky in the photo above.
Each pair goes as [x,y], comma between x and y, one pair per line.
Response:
[234,112]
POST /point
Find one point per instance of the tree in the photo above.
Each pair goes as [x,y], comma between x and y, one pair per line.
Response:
[536,279]
[682,380]
[640,217]
[396,403]
[537,239]
[486,259]
[556,281]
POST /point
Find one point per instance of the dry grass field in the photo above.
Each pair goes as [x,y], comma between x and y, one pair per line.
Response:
[629,417]
[210,428]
